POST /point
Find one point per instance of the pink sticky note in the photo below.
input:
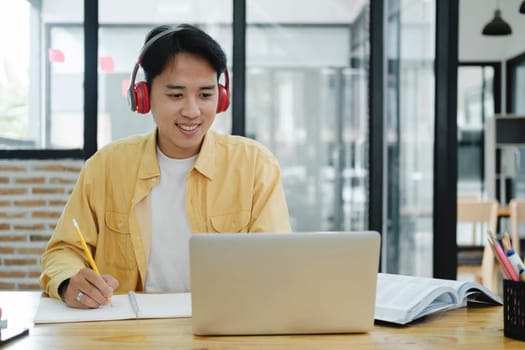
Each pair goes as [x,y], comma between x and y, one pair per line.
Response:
[55,55]
[125,86]
[107,64]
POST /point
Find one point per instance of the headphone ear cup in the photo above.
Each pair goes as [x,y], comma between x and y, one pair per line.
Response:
[224,99]
[141,97]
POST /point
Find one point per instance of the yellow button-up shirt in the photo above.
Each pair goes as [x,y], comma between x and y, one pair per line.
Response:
[234,186]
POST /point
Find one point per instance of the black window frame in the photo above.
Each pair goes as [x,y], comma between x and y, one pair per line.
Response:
[90,78]
[90,97]
[511,65]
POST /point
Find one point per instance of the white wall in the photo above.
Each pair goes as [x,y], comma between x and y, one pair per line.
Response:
[473,15]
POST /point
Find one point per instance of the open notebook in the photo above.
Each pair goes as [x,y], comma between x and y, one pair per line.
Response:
[123,306]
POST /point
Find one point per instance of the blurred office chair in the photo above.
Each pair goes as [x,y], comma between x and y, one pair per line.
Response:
[517,216]
[482,213]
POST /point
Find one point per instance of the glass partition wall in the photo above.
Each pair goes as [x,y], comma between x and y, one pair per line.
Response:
[475,104]
[41,73]
[306,99]
[409,136]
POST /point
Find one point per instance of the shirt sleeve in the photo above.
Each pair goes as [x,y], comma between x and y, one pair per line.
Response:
[64,256]
[270,211]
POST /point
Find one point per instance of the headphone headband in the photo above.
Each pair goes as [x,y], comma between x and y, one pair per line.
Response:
[154,39]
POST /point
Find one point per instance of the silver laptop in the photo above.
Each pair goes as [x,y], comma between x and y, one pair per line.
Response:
[283,283]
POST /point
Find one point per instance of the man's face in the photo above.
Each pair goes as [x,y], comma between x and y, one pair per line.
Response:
[183,104]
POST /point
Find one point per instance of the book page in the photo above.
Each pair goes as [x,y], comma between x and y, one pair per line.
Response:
[51,310]
[478,293]
[169,305]
[402,298]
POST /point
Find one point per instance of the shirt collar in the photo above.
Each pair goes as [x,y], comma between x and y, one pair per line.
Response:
[205,162]
[150,167]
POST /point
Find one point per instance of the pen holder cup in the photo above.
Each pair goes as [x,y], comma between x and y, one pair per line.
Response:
[514,309]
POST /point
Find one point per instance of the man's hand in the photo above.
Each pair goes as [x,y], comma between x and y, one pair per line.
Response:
[88,290]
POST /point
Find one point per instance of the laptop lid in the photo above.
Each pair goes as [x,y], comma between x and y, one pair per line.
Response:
[283,283]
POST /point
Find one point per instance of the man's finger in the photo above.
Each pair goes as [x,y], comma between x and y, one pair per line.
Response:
[111,281]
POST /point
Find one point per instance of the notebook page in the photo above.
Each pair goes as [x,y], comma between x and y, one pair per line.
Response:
[51,310]
[169,305]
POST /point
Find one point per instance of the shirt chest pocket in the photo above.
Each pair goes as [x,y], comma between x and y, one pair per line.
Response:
[117,222]
[233,222]
[118,246]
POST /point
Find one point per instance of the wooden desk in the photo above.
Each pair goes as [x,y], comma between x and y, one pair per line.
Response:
[472,328]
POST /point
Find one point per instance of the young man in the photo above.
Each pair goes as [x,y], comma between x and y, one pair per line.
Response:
[138,200]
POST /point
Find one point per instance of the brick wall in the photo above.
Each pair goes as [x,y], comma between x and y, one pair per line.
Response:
[32,196]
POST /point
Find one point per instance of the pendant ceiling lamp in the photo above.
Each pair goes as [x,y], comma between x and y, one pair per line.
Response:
[522,7]
[497,26]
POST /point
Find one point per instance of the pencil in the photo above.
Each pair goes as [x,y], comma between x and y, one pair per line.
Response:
[502,267]
[87,252]
[506,241]
[504,261]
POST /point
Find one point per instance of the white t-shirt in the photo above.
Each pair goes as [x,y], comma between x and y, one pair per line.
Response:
[169,259]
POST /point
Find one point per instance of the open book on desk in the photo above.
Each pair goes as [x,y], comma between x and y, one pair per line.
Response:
[402,299]
[122,307]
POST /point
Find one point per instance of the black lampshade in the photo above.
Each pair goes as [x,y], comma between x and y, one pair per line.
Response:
[522,7]
[497,26]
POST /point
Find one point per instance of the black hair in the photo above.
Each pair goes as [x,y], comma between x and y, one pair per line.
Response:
[183,38]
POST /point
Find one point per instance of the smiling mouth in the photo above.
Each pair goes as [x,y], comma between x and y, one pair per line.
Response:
[188,127]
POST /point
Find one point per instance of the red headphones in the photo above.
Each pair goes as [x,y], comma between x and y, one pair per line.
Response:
[138,95]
